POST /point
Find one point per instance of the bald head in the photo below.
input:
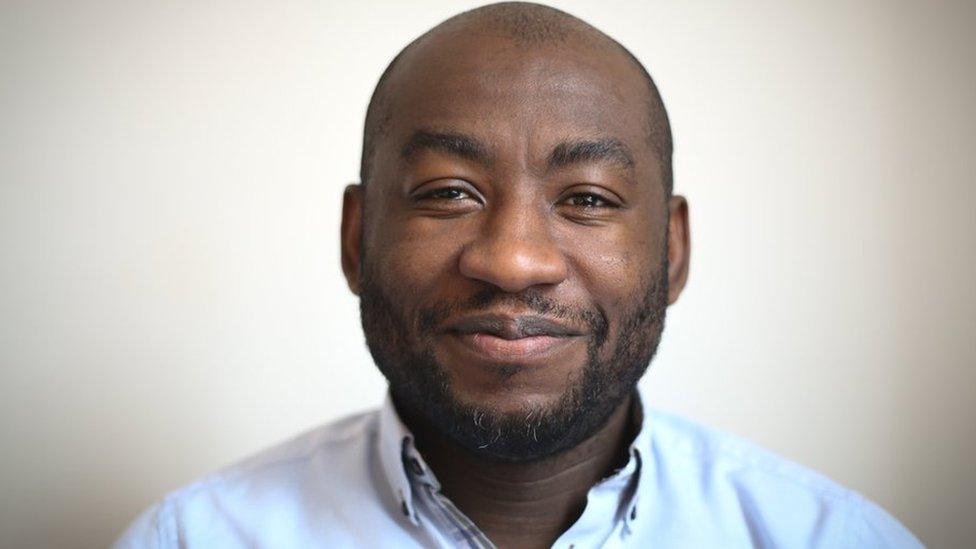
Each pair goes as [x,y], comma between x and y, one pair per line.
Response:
[528,26]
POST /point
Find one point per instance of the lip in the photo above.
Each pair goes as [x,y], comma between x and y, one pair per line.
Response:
[512,350]
[512,338]
[511,327]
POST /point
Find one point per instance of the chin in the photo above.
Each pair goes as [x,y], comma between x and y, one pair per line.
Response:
[507,402]
[509,388]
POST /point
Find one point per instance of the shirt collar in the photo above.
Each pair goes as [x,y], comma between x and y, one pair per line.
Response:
[394,437]
[639,456]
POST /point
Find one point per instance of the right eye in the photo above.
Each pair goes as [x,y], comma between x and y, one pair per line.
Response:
[446,193]
[447,198]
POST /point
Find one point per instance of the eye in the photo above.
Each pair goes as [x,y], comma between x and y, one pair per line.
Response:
[446,193]
[446,198]
[589,201]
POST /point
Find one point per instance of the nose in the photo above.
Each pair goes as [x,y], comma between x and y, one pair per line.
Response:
[514,251]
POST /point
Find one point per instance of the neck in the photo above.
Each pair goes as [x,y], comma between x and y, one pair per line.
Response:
[526,504]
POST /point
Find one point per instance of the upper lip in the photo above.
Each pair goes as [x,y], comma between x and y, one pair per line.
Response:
[511,327]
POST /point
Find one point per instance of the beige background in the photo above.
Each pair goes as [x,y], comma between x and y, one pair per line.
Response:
[171,300]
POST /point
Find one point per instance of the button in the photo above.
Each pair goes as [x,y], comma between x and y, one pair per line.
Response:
[417,468]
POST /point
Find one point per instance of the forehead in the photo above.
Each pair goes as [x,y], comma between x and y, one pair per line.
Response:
[510,92]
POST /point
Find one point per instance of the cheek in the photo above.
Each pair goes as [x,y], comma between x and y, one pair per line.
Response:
[613,265]
[415,256]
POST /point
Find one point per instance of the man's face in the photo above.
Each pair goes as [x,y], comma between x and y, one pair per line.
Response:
[513,269]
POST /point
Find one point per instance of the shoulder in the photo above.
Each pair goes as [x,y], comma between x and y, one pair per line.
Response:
[339,446]
[682,443]
[277,486]
[331,441]
[769,500]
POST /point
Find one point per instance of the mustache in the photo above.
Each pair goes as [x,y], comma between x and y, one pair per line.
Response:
[594,319]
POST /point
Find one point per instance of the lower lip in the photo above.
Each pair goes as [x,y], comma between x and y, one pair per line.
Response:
[512,349]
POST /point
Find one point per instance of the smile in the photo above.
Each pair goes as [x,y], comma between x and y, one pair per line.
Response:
[520,349]
[512,338]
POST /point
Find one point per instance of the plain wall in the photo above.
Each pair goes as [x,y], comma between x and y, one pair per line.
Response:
[170,292]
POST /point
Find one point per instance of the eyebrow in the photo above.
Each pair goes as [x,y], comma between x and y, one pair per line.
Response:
[455,144]
[608,150]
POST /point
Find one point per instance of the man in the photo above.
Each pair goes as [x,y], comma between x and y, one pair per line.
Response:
[515,242]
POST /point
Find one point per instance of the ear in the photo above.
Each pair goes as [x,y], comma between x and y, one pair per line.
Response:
[351,234]
[679,246]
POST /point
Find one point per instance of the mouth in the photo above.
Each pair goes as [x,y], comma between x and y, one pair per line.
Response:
[512,338]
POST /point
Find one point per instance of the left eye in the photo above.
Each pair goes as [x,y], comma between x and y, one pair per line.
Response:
[448,193]
[588,200]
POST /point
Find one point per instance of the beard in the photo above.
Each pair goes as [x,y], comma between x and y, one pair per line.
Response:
[401,345]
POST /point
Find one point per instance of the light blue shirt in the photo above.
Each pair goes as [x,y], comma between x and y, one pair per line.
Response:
[359,482]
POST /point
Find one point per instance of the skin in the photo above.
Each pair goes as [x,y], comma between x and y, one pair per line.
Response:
[586,233]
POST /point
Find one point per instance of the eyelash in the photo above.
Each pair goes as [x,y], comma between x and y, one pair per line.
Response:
[434,193]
